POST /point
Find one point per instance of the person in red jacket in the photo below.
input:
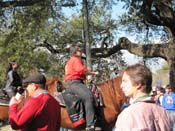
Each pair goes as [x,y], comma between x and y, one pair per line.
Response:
[41,112]
[75,74]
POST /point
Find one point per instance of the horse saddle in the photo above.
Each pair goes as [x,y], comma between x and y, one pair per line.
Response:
[4,99]
[75,106]
[98,101]
[59,97]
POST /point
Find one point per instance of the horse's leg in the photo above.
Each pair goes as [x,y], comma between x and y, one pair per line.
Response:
[1,123]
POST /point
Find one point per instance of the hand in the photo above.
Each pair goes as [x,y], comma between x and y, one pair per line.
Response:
[13,100]
[92,73]
[96,73]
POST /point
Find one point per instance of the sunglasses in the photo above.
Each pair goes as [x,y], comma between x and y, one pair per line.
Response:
[21,90]
[25,85]
[79,50]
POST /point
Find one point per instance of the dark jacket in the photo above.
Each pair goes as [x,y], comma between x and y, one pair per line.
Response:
[13,81]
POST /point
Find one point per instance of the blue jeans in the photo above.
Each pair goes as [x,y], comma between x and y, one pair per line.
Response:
[172,115]
[79,88]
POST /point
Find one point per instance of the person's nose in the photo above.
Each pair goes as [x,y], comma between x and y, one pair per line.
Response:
[121,85]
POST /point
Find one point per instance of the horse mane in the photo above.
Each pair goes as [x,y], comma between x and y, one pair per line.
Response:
[52,80]
[52,83]
[112,84]
[111,88]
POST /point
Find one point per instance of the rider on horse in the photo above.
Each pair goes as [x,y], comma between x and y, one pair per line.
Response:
[13,79]
[75,74]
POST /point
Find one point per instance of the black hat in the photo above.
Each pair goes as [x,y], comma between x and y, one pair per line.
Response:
[35,78]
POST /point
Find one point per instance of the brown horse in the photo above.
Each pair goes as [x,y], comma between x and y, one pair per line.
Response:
[113,99]
[3,106]
[3,111]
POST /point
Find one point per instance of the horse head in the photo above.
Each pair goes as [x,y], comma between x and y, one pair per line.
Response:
[54,85]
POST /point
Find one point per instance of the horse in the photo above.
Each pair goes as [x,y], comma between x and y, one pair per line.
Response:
[4,112]
[4,107]
[113,99]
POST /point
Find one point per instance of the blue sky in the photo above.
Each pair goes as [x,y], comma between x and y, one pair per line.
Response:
[117,9]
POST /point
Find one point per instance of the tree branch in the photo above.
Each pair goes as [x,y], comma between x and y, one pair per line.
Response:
[148,50]
[161,14]
[4,4]
[51,48]
[162,50]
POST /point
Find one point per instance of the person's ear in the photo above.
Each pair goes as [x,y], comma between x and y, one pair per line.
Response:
[35,87]
[139,85]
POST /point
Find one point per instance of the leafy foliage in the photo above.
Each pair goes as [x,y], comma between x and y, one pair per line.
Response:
[39,36]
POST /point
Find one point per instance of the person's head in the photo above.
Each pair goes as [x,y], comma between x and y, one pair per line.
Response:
[135,79]
[34,83]
[168,88]
[13,65]
[160,90]
[75,50]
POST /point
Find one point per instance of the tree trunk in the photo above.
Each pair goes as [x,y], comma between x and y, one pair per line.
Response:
[86,34]
[172,73]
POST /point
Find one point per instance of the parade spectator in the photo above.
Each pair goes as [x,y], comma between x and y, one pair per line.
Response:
[154,91]
[167,89]
[143,114]
[13,79]
[41,112]
[168,103]
[159,95]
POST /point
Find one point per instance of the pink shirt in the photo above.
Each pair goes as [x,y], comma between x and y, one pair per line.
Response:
[144,116]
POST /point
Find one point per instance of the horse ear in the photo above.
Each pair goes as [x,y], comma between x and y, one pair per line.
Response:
[49,81]
[60,86]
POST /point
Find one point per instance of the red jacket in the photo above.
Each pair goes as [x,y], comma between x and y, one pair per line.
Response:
[41,113]
[75,69]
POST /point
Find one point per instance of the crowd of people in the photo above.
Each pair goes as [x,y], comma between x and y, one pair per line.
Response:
[147,110]
[42,111]
[165,97]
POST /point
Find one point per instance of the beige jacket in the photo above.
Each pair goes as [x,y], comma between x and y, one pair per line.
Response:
[144,116]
